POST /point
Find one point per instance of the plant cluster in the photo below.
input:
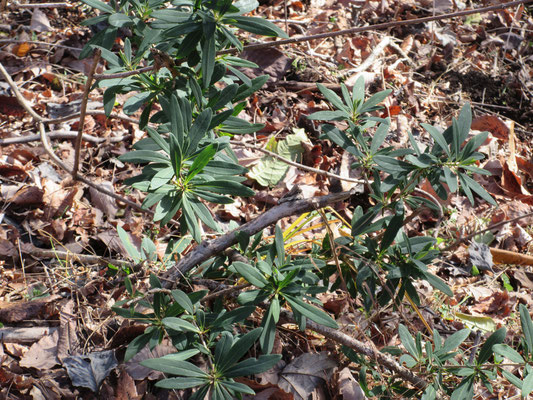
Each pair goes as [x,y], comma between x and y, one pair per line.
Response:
[190,103]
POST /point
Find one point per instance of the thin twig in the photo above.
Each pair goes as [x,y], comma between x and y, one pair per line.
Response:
[62,46]
[496,225]
[124,74]
[83,110]
[67,255]
[226,291]
[16,4]
[382,358]
[47,147]
[62,135]
[295,164]
[329,174]
[90,112]
[385,25]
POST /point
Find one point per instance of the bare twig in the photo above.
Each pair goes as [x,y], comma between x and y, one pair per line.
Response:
[225,292]
[83,110]
[16,4]
[46,145]
[62,46]
[90,112]
[329,174]
[385,25]
[493,226]
[62,135]
[124,74]
[67,255]
[208,249]
[299,86]
[295,164]
[360,347]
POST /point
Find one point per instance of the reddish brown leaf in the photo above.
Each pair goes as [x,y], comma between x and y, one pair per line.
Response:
[525,166]
[492,124]
[23,155]
[391,111]
[510,181]
[10,106]
[28,195]
[20,50]
[9,171]
[126,389]
[497,303]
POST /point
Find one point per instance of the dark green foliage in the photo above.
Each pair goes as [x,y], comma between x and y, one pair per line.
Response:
[187,162]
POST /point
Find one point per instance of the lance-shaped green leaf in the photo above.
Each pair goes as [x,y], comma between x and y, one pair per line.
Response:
[255,25]
[527,326]
[310,311]
[250,273]
[120,20]
[202,212]
[509,353]
[486,350]
[201,160]
[339,137]
[252,366]
[176,119]
[199,130]
[394,226]
[239,348]
[179,325]
[99,5]
[208,60]
[190,221]
[372,102]
[438,284]
[183,300]
[144,156]
[158,139]
[225,187]
[437,137]
[268,335]
[175,367]
[280,245]
[379,136]
[181,382]
[476,187]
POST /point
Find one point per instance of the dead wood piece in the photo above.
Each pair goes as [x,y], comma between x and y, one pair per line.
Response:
[501,256]
[25,335]
[208,249]
[62,135]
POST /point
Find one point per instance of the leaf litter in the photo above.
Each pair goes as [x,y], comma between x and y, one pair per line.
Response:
[434,69]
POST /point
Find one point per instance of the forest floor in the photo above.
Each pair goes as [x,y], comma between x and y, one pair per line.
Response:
[59,247]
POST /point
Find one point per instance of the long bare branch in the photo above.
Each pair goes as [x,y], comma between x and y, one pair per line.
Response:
[360,347]
[208,249]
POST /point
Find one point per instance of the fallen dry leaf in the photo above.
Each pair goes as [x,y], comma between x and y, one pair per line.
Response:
[42,354]
[492,124]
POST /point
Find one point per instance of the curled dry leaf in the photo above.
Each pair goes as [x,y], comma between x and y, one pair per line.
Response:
[349,388]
